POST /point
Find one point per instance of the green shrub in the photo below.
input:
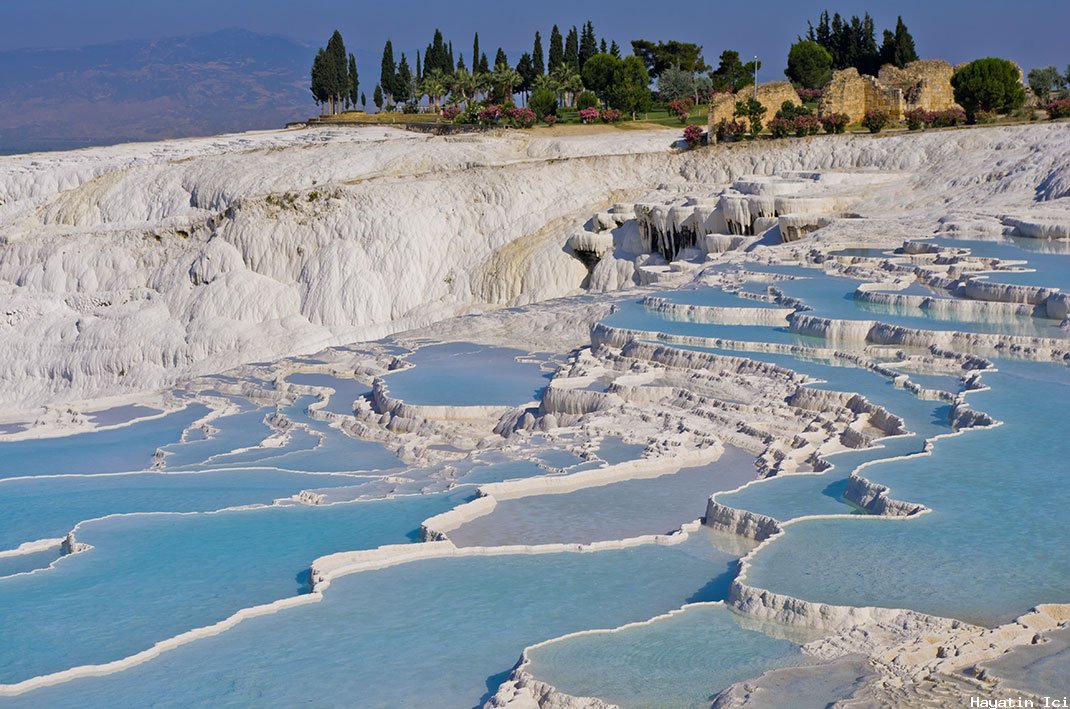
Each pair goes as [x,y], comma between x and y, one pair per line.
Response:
[587,99]
[989,85]
[753,110]
[543,102]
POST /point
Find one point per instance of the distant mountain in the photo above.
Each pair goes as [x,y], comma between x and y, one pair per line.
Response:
[226,81]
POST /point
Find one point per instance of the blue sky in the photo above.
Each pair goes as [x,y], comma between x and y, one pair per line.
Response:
[1031,32]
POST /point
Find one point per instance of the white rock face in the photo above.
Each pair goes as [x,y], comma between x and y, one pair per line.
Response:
[130,267]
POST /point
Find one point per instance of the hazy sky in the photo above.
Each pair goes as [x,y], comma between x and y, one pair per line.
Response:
[1031,32]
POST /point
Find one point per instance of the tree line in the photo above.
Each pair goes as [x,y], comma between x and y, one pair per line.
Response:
[576,67]
[840,43]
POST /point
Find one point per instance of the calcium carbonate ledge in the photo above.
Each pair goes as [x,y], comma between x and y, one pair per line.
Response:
[439,526]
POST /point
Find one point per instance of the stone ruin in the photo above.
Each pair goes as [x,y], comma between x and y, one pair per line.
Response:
[922,84]
[771,95]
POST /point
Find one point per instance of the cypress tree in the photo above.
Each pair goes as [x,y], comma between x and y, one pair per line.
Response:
[363,100]
[537,62]
[475,53]
[484,65]
[526,69]
[436,57]
[318,85]
[377,97]
[837,37]
[904,45]
[336,73]
[500,59]
[354,81]
[557,50]
[451,64]
[868,55]
[403,81]
[460,62]
[387,71]
[572,49]
[588,43]
[419,71]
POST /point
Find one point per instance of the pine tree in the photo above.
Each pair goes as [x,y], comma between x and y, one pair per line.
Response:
[557,50]
[460,63]
[354,81]
[537,62]
[588,44]
[602,48]
[387,71]
[614,49]
[572,49]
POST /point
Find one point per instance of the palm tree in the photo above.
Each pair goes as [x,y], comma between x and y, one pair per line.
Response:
[435,87]
[482,84]
[544,81]
[463,85]
[568,82]
[504,79]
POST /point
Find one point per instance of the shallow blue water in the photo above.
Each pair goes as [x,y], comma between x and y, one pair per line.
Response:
[346,390]
[614,450]
[621,510]
[635,316]
[678,661]
[465,374]
[150,577]
[436,632]
[48,508]
[711,297]
[993,547]
[240,430]
[126,448]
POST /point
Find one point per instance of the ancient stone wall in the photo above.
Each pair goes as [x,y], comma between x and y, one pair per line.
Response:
[771,95]
[854,94]
[925,84]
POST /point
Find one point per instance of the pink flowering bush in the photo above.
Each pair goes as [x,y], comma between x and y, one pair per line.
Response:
[451,112]
[875,121]
[917,118]
[835,122]
[806,125]
[522,117]
[1058,109]
[609,115]
[549,119]
[682,108]
[490,115]
[810,94]
[589,115]
[693,136]
[947,118]
[780,127]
